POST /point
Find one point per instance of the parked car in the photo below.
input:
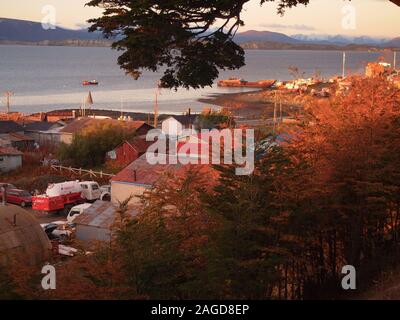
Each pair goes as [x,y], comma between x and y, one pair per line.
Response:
[17,196]
[57,230]
[7,185]
[77,211]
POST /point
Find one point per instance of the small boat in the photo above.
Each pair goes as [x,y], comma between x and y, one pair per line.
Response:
[90,83]
[236,82]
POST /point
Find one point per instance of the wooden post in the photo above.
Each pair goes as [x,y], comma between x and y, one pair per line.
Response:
[275,106]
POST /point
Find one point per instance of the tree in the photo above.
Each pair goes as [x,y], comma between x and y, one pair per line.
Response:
[89,148]
[210,119]
[191,39]
[346,211]
[163,248]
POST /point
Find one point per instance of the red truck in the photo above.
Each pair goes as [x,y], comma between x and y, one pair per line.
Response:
[60,197]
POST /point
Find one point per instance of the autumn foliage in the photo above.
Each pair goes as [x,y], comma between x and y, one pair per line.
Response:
[326,197]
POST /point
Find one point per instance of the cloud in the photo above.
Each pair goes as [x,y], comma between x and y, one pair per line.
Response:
[300,27]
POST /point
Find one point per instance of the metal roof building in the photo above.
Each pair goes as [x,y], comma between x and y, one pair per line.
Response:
[96,222]
[21,235]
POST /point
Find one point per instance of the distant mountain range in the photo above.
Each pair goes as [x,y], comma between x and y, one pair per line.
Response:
[21,30]
[267,39]
[341,40]
[14,31]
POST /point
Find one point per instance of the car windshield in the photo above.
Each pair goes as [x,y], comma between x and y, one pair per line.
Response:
[74,212]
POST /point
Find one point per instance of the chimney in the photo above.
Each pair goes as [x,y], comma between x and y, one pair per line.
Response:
[134,175]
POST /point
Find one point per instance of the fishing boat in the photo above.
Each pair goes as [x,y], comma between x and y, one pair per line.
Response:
[236,82]
[90,83]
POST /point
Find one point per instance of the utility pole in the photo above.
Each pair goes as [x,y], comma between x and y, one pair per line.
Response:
[122,108]
[156,105]
[344,65]
[275,106]
[394,59]
[8,95]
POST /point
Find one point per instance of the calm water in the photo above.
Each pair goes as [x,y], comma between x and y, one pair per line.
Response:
[47,78]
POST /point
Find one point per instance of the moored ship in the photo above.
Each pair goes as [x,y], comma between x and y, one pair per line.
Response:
[90,83]
[236,82]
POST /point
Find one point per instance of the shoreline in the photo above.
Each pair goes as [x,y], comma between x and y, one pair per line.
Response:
[254,104]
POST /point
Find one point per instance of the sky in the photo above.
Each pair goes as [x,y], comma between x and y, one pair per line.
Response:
[376,18]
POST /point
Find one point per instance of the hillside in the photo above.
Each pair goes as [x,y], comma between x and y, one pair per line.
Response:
[252,35]
[269,45]
[20,30]
[23,32]
[394,43]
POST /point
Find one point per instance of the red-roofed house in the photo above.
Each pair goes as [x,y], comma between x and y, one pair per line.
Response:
[10,159]
[129,151]
[139,176]
[199,145]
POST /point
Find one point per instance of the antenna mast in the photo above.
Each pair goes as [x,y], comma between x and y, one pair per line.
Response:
[8,95]
[156,105]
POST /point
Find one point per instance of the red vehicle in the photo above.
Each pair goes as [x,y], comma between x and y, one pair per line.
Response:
[60,197]
[17,196]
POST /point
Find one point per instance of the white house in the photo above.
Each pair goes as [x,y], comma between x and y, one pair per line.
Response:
[174,125]
[10,159]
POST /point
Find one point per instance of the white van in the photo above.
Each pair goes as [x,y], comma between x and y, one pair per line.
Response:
[90,190]
[77,211]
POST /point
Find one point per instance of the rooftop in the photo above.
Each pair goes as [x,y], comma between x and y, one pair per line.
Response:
[41,126]
[9,151]
[8,126]
[101,214]
[15,137]
[142,173]
[81,124]
[185,119]
[139,144]
[20,233]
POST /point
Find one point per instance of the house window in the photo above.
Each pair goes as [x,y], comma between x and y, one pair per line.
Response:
[1,159]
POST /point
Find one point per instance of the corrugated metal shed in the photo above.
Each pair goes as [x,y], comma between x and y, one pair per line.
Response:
[101,214]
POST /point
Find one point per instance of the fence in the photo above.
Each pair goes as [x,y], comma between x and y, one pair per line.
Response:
[82,172]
